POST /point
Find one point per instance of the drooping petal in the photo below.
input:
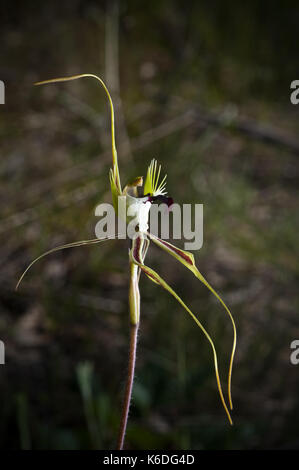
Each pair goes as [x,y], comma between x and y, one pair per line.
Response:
[154,276]
[93,241]
[187,259]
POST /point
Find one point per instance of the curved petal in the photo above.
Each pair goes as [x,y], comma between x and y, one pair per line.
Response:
[62,247]
[187,258]
[153,276]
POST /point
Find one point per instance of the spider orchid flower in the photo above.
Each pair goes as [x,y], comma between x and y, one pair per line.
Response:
[139,198]
[153,191]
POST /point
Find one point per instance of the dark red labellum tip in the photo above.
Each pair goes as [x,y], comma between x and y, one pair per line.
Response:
[161,200]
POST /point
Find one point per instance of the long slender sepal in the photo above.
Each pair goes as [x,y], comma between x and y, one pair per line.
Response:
[115,169]
[187,259]
[93,241]
[155,277]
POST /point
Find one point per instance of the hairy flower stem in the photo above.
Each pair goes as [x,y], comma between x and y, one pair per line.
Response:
[134,305]
[129,385]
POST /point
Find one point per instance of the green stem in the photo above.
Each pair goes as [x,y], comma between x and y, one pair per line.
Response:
[140,244]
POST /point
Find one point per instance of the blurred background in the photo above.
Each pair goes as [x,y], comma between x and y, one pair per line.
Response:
[204,87]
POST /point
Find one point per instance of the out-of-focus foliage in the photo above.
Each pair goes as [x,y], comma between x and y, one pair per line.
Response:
[66,331]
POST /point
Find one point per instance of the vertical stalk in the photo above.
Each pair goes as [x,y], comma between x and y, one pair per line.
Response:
[129,386]
[139,247]
[134,304]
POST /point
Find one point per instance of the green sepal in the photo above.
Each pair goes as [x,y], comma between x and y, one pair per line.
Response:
[156,278]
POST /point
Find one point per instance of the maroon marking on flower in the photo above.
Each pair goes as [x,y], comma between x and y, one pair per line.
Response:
[178,252]
[149,274]
[137,249]
[161,199]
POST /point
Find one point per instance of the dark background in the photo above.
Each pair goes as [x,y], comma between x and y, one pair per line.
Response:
[205,88]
